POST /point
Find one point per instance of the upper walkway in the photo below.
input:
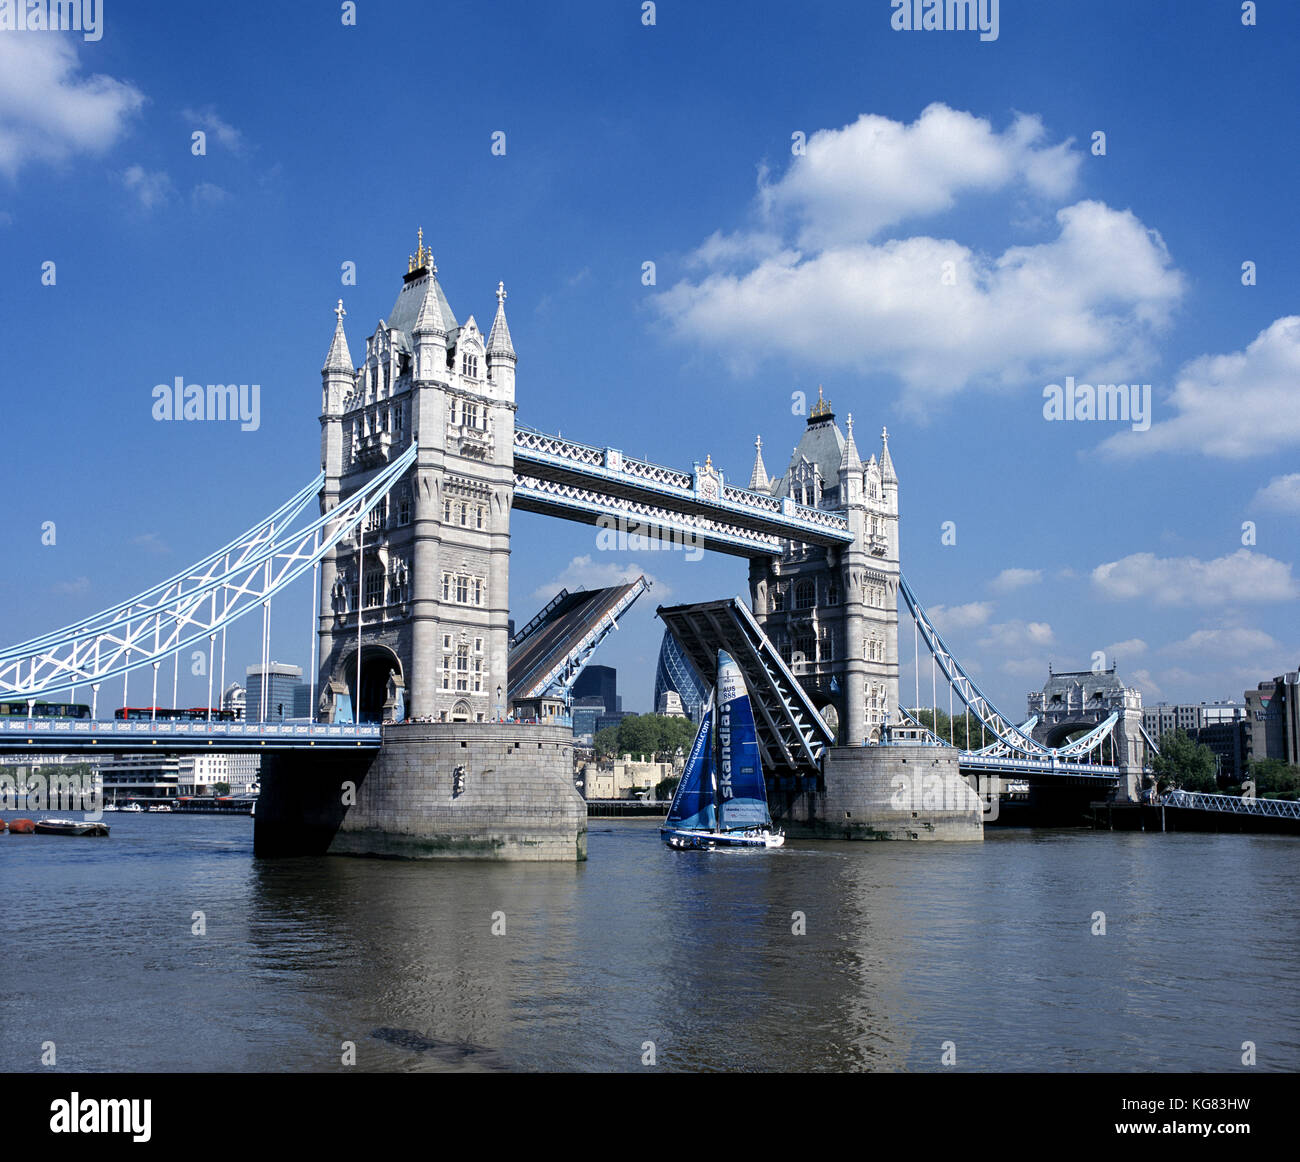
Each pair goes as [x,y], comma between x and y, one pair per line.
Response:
[561,477]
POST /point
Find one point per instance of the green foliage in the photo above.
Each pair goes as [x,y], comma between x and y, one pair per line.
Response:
[221,788]
[959,736]
[1184,763]
[667,788]
[1274,779]
[649,736]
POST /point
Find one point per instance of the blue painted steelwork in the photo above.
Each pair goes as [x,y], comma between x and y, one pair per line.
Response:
[185,612]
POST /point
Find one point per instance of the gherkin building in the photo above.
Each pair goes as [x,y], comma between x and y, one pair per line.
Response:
[676,673]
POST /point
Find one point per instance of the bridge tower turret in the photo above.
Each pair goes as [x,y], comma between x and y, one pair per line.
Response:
[833,613]
[422,596]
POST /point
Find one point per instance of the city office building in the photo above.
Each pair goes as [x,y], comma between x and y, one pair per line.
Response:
[598,682]
[281,682]
[1274,719]
[1163,717]
[677,675]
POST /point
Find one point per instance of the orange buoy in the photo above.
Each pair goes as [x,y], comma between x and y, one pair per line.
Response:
[22,826]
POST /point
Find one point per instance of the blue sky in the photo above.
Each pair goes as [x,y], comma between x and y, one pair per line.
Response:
[672,143]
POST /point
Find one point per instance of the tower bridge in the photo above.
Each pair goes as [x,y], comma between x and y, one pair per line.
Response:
[422,463]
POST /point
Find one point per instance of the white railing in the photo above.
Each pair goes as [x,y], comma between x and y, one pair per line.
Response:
[1233,804]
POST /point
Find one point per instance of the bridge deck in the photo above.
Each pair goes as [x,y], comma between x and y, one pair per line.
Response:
[69,735]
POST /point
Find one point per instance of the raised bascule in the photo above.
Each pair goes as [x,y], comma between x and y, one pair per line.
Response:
[417,749]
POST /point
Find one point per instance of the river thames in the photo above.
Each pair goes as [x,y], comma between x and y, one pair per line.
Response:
[818,956]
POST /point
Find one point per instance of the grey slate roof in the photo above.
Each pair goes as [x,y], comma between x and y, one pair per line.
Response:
[823,444]
[406,310]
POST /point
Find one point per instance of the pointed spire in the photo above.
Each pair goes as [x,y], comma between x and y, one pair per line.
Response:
[339,357]
[431,318]
[499,338]
[887,473]
[758,481]
[850,461]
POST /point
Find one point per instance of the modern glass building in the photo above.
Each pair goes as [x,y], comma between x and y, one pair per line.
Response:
[676,673]
[280,683]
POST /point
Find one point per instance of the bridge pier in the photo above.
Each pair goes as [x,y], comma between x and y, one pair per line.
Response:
[498,791]
[885,792]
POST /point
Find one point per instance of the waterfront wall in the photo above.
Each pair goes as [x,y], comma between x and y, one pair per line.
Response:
[885,792]
[497,791]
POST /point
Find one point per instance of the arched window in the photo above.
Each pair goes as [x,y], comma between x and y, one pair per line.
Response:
[805,595]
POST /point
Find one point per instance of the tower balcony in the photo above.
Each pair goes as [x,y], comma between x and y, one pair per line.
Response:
[469,440]
[372,450]
[878,544]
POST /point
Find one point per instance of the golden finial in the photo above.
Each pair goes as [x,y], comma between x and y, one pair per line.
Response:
[822,407]
[421,257]
[708,460]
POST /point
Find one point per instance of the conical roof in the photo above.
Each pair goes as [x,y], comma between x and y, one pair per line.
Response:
[339,357]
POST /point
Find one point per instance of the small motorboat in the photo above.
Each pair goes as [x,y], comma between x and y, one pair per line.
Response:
[160,807]
[134,808]
[22,826]
[70,827]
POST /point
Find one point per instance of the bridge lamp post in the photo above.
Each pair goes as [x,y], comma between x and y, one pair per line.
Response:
[498,703]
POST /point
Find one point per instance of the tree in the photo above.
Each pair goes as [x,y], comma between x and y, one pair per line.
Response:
[1184,763]
[666,788]
[959,737]
[1274,779]
[605,742]
[221,788]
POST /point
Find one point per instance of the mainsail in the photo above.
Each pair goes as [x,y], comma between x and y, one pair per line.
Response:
[692,805]
[742,794]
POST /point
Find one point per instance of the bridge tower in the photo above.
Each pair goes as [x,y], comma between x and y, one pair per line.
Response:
[833,613]
[1074,701]
[424,588]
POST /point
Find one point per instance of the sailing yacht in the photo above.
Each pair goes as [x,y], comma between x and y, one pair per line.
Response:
[721,801]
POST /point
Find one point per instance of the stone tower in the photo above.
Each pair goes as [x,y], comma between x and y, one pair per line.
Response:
[429,574]
[833,613]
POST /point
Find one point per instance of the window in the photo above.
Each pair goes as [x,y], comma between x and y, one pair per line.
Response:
[803,647]
[826,646]
[832,592]
[478,591]
[374,589]
[462,667]
[404,509]
[469,365]
[462,511]
[375,519]
[805,595]
[446,587]
[478,645]
[479,516]
[462,588]
[470,415]
[446,641]
[778,599]
[446,511]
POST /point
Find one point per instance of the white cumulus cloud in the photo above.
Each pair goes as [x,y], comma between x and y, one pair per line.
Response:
[1242,576]
[1281,493]
[1233,406]
[49,110]
[152,187]
[818,282]
[1011,579]
[583,573]
[951,618]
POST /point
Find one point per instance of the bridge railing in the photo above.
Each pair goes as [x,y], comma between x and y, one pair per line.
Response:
[1234,804]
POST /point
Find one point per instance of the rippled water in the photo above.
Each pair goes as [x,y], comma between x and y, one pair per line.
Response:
[988,946]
